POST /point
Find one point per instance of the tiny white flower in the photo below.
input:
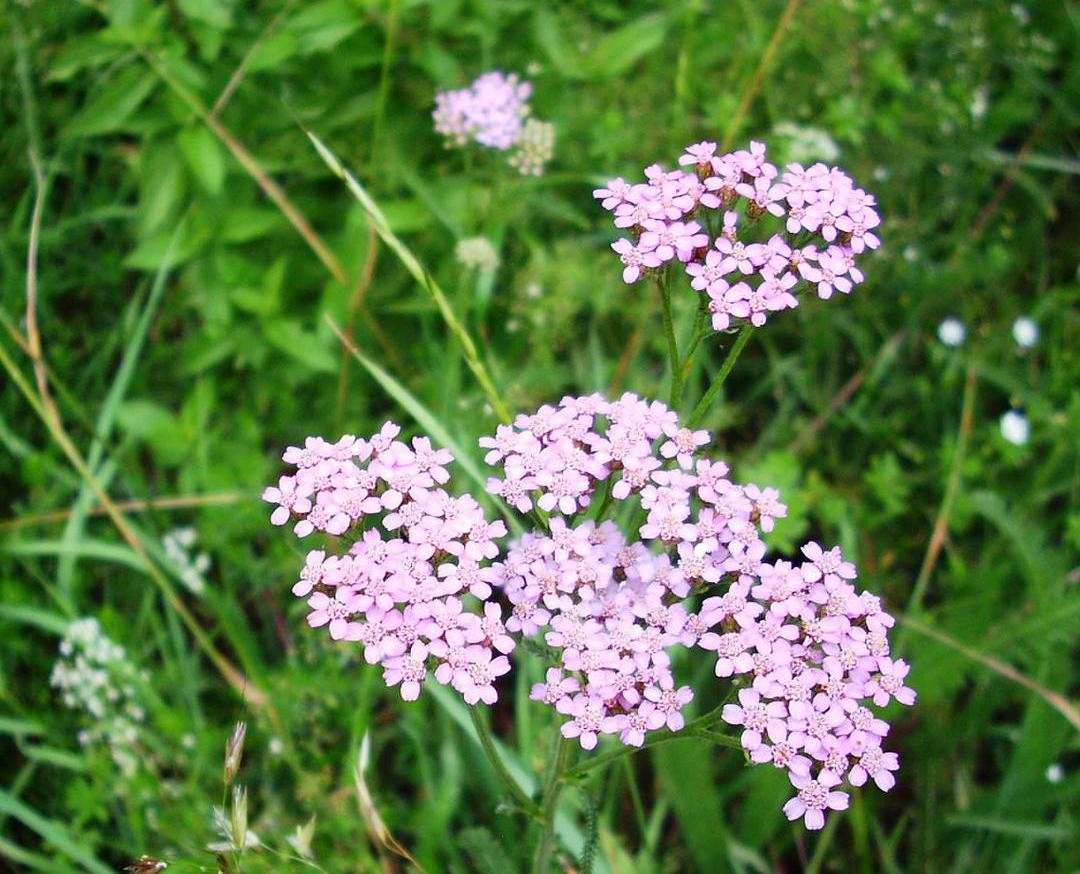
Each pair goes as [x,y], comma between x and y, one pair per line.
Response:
[952,332]
[1025,331]
[476,253]
[1015,427]
[1055,773]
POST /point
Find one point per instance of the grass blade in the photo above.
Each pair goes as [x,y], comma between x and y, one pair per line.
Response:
[413,265]
[52,833]
[424,417]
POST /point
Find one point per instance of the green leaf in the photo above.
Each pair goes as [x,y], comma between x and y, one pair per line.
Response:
[161,187]
[114,104]
[619,50]
[780,470]
[548,33]
[163,249]
[36,617]
[688,773]
[54,756]
[322,25]
[216,13]
[304,347]
[19,727]
[486,853]
[82,53]
[97,549]
[204,157]
[242,224]
[52,832]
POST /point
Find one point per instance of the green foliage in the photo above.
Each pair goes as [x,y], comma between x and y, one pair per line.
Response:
[189,330]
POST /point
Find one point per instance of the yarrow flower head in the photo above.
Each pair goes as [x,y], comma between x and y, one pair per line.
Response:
[490,111]
[709,216]
[431,593]
[414,587]
[612,607]
[494,112]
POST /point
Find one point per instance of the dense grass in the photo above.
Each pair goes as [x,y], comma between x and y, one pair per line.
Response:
[185,308]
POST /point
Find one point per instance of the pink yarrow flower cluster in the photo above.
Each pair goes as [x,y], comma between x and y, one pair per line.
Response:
[426,588]
[414,588]
[611,609]
[491,111]
[817,654]
[702,217]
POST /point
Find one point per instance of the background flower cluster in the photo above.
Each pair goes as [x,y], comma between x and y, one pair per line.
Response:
[707,217]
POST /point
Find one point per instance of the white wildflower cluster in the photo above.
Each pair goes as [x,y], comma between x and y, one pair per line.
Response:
[535,148]
[93,674]
[807,144]
[179,546]
[476,253]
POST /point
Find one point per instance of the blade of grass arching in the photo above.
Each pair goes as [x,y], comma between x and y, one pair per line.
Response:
[65,572]
[101,550]
[19,728]
[53,833]
[162,502]
[822,843]
[1039,831]
[426,281]
[1059,702]
[688,775]
[50,418]
[36,617]
[424,417]
[32,861]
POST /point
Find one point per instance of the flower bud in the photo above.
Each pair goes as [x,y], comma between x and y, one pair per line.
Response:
[234,751]
[239,817]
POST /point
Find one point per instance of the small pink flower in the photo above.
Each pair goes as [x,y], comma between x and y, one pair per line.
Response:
[877,765]
[814,797]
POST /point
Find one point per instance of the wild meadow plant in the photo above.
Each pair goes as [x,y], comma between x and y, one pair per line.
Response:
[494,112]
[636,549]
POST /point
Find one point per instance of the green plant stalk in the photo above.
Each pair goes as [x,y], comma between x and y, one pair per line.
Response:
[420,274]
[487,743]
[694,728]
[721,377]
[549,801]
[701,330]
[673,346]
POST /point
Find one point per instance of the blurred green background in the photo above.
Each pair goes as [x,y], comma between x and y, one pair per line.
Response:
[192,243]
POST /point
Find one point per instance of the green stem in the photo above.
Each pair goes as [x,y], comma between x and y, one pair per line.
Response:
[718,381]
[488,744]
[701,329]
[694,728]
[605,503]
[673,346]
[544,850]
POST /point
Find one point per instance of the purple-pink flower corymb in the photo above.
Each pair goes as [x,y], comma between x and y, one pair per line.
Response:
[427,586]
[612,608]
[398,589]
[667,217]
